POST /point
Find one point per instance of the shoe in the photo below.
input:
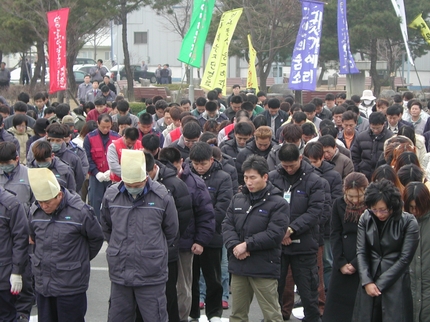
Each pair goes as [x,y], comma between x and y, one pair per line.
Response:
[215,319]
[225,305]
[201,305]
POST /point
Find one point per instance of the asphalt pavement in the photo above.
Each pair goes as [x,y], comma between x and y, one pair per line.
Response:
[99,290]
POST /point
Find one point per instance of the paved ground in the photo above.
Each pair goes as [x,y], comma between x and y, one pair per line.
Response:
[98,295]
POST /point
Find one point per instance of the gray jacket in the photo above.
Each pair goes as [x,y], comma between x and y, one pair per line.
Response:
[65,242]
[4,75]
[8,122]
[17,182]
[139,232]
[98,73]
[13,238]
[83,89]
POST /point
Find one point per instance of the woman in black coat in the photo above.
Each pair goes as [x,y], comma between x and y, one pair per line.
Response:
[387,239]
[343,238]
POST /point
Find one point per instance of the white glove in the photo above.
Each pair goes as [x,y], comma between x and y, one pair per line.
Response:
[15,284]
[107,175]
[100,176]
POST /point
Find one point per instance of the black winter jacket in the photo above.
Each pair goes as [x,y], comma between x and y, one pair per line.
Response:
[366,151]
[229,147]
[262,224]
[307,199]
[220,189]
[179,191]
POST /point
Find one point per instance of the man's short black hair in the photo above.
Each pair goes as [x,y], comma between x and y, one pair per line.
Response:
[292,133]
[314,150]
[150,161]
[395,109]
[151,142]
[7,151]
[309,129]
[57,130]
[212,95]
[20,107]
[100,61]
[123,106]
[299,117]
[252,99]
[161,105]
[200,151]
[341,95]
[356,99]
[100,102]
[48,110]
[289,99]
[211,106]
[261,93]
[247,106]
[329,130]
[257,163]
[329,97]
[274,103]
[354,108]
[237,99]
[201,101]
[24,97]
[131,133]
[408,96]
[310,108]
[235,86]
[170,154]
[327,141]
[338,110]
[289,152]
[377,118]
[349,115]
[191,130]
[145,119]
[317,101]
[397,99]
[124,120]
[41,150]
[185,101]
[62,110]
[106,118]
[259,120]
[244,128]
[105,89]
[18,119]
[39,96]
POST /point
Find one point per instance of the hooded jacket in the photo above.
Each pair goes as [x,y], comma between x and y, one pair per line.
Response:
[139,232]
[261,223]
[307,198]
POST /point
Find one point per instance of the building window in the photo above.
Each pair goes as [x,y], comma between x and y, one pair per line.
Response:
[141,37]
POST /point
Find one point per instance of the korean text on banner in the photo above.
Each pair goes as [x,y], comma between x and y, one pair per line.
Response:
[347,63]
[420,23]
[399,8]
[304,63]
[252,81]
[216,67]
[194,41]
[57,25]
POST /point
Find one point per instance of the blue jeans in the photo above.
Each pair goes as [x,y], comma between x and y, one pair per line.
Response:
[327,262]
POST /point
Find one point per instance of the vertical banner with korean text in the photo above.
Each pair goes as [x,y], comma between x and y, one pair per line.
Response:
[420,24]
[57,41]
[399,8]
[215,74]
[346,61]
[195,39]
[304,63]
[252,81]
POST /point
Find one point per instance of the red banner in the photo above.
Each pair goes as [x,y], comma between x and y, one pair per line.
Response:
[57,25]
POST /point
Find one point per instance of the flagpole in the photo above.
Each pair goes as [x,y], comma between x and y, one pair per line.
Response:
[191,85]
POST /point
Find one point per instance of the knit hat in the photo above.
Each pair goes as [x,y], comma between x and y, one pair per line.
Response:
[133,166]
[40,126]
[43,183]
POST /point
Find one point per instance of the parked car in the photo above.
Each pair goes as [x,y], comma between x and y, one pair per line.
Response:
[79,76]
[137,73]
[15,75]
[85,61]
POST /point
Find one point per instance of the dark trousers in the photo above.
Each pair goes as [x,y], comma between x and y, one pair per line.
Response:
[71,308]
[26,297]
[7,306]
[96,191]
[210,263]
[171,295]
[305,275]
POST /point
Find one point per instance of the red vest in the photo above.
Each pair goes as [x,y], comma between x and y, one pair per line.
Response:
[99,152]
[228,129]
[119,146]
[175,134]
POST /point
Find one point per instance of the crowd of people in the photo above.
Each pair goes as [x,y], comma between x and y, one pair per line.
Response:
[205,204]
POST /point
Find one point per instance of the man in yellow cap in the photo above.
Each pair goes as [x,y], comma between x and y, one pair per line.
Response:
[140,222]
[66,236]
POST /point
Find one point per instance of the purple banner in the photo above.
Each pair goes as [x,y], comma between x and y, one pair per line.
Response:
[304,63]
[346,61]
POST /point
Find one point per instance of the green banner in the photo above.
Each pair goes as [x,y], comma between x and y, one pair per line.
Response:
[194,41]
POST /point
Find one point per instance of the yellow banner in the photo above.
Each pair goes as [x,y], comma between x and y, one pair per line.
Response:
[420,23]
[251,81]
[215,74]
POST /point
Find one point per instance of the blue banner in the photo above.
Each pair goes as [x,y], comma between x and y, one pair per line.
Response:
[346,61]
[304,63]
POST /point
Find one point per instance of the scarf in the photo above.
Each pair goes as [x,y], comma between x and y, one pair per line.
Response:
[353,211]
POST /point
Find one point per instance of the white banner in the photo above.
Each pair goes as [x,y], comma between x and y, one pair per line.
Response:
[399,8]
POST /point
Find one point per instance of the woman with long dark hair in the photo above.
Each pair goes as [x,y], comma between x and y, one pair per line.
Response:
[387,239]
[343,238]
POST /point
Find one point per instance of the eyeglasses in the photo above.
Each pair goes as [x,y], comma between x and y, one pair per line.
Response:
[380,211]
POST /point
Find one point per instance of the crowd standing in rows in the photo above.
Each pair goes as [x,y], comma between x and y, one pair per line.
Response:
[200,200]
